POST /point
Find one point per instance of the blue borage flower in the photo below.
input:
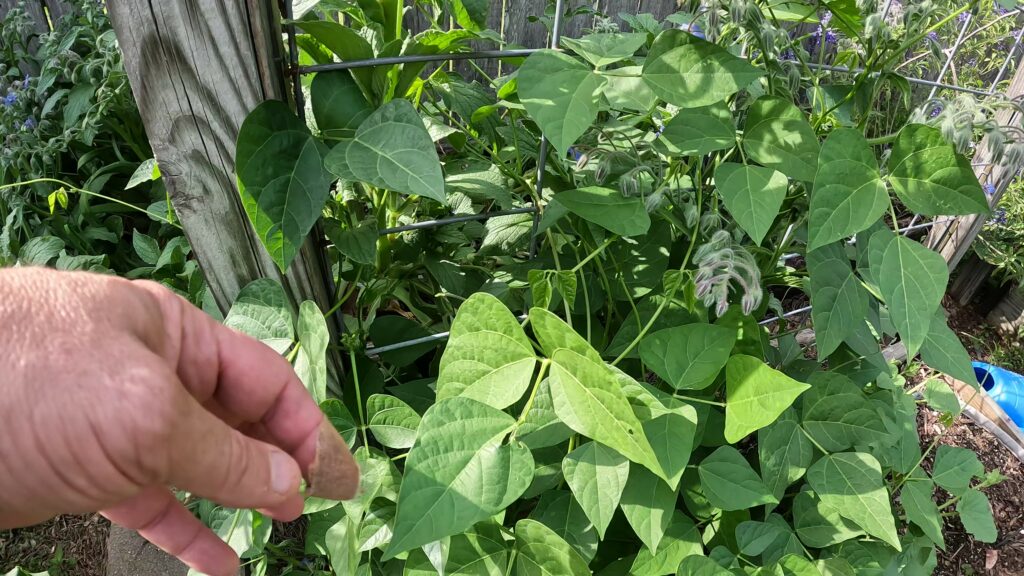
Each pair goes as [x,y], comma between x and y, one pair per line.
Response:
[10,99]
[24,83]
[990,189]
[29,123]
[998,218]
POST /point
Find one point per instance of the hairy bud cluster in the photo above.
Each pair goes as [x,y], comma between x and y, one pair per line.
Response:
[720,263]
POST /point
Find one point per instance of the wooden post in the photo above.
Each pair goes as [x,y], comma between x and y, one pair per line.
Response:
[952,236]
[197,68]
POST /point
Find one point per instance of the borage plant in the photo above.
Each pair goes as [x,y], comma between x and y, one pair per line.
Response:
[639,418]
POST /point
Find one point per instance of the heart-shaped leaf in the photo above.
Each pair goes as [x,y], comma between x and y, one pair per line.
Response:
[912,280]
[488,358]
[730,483]
[281,178]
[392,422]
[851,483]
[753,196]
[930,177]
[391,149]
[459,444]
[756,395]
[588,398]
[607,48]
[541,552]
[689,72]
[561,94]
[848,190]
[597,476]
[778,136]
[688,357]
[698,131]
[648,504]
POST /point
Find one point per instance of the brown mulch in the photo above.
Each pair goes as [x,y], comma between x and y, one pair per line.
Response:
[964,555]
[64,546]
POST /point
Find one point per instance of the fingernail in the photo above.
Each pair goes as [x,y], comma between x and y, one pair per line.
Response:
[282,472]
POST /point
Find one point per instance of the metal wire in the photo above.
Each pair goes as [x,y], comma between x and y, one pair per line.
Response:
[544,144]
[1006,63]
[456,219]
[542,158]
[952,54]
[935,85]
[293,59]
[391,60]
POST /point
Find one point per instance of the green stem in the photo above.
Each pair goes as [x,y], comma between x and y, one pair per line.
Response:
[597,251]
[672,292]
[90,193]
[917,465]
[359,396]
[698,400]
[882,139]
[533,394]
[816,445]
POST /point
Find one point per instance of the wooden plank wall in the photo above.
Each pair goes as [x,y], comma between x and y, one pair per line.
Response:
[197,67]
[518,31]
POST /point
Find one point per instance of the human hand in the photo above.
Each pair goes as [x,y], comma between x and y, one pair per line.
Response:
[111,391]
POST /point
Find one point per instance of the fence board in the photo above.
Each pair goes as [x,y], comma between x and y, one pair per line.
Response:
[197,67]
[952,237]
[57,9]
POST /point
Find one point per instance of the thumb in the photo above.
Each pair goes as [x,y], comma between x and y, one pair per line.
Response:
[215,461]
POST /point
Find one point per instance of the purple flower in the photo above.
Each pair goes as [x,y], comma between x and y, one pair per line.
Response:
[963,17]
[933,36]
[826,19]
[24,83]
[693,28]
[999,217]
[10,99]
[830,37]
[788,55]
[29,124]
[990,189]
[574,153]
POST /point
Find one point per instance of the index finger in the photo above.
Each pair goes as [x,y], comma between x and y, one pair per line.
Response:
[255,385]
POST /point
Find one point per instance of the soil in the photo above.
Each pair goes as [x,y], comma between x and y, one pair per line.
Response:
[64,546]
[964,555]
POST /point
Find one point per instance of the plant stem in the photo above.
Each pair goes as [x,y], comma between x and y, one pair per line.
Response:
[593,255]
[816,445]
[359,396]
[918,465]
[533,394]
[672,292]
[882,139]
[698,400]
[90,193]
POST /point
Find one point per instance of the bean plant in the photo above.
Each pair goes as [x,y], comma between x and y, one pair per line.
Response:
[612,396]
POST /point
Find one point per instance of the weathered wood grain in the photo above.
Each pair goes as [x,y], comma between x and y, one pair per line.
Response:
[952,236]
[197,67]
[57,9]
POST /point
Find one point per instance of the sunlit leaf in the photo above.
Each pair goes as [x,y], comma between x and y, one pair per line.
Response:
[459,472]
[730,483]
[561,94]
[848,190]
[930,177]
[371,155]
[851,483]
[778,136]
[689,72]
[753,196]
[756,395]
[597,476]
[488,357]
[281,178]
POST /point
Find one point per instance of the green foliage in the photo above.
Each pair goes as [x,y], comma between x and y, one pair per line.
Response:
[79,187]
[608,400]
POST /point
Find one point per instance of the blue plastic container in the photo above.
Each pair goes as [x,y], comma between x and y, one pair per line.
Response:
[1005,387]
